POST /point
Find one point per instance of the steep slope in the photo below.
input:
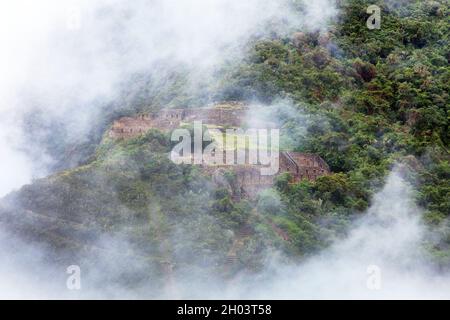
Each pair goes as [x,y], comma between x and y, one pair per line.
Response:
[361,99]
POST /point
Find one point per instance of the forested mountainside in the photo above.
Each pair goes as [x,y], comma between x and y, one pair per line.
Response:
[364,100]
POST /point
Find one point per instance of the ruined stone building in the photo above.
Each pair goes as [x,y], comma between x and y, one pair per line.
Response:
[231,115]
[128,127]
[303,166]
[300,166]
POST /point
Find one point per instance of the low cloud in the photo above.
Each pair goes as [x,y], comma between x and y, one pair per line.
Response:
[381,258]
[66,61]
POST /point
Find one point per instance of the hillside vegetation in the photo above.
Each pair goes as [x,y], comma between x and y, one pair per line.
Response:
[367,99]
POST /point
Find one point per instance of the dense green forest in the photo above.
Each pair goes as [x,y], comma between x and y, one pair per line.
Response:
[367,99]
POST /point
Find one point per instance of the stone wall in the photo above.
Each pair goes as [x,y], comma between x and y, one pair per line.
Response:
[249,181]
[231,117]
[303,166]
[168,119]
[129,127]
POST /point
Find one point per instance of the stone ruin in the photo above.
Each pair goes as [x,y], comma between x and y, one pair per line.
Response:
[231,115]
[301,166]
[250,181]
